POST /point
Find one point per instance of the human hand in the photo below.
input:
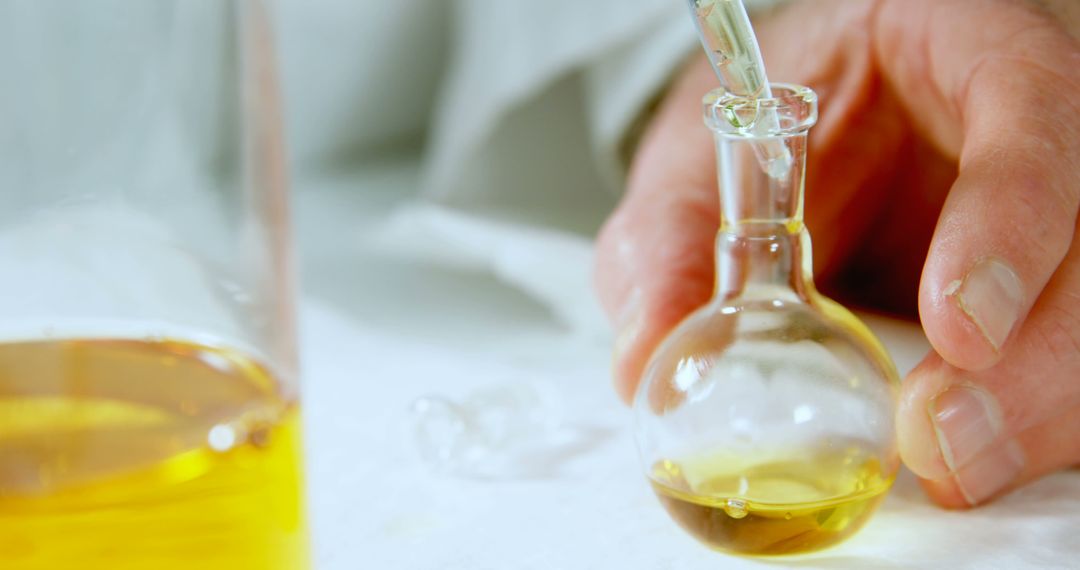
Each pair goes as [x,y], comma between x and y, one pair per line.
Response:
[949,144]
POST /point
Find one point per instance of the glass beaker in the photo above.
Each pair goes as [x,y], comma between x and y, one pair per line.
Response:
[765,419]
[148,382]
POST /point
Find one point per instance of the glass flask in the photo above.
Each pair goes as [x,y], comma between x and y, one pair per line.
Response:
[765,419]
[148,384]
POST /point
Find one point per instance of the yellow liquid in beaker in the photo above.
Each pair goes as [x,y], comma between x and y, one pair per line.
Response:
[118,454]
[771,507]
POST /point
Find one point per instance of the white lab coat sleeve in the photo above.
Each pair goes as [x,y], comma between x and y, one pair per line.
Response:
[620,84]
[537,99]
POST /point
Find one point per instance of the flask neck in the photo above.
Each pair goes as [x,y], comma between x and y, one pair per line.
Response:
[767,267]
[762,248]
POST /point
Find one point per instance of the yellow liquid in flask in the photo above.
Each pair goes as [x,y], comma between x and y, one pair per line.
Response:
[772,506]
[118,454]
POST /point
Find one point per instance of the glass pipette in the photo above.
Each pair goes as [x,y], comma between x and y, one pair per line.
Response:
[729,41]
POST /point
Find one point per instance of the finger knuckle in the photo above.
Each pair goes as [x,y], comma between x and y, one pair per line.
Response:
[1059,336]
[1042,221]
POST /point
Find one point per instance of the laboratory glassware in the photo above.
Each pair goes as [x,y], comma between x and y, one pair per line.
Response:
[149,412]
[764,421]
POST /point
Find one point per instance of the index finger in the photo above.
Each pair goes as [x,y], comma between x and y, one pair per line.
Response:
[994,83]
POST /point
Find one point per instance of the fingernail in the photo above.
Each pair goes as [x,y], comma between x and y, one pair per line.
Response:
[991,472]
[967,420]
[992,296]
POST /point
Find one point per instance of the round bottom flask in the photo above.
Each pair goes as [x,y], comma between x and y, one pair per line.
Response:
[765,419]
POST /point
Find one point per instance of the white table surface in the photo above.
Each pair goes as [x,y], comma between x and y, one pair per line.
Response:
[378,331]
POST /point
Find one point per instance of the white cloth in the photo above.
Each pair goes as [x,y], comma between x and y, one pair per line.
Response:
[393,316]
[374,505]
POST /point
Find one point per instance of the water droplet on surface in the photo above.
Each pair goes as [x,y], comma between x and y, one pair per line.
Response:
[440,430]
[736,508]
[787,516]
[742,114]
